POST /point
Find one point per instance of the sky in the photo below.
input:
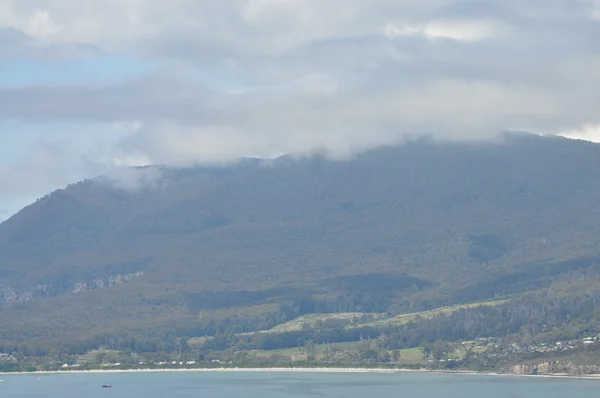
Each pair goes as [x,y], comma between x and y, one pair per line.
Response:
[87,86]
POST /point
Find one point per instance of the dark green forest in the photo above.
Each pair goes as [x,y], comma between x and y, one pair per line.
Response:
[235,249]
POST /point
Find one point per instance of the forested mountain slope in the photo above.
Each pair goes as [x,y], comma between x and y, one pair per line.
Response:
[395,229]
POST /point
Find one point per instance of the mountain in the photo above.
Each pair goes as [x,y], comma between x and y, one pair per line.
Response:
[159,250]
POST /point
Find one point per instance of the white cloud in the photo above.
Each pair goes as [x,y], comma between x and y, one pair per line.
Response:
[131,179]
[586,133]
[41,25]
[461,30]
[595,10]
[182,145]
[132,158]
[338,121]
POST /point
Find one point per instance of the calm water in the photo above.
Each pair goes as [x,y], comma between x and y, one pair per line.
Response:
[293,385]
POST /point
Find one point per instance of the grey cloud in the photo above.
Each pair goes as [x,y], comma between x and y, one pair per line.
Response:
[228,36]
[257,77]
[17,45]
[160,95]
[13,39]
[516,10]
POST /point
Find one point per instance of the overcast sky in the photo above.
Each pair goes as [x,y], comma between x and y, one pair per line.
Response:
[88,85]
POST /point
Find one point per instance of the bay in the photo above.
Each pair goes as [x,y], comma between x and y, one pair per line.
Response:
[291,384]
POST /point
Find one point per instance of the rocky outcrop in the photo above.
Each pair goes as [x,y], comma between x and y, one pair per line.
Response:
[111,281]
[553,367]
[8,294]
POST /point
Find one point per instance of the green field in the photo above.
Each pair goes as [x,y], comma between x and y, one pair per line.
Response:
[407,318]
[358,319]
[410,356]
[312,321]
[110,356]
[296,351]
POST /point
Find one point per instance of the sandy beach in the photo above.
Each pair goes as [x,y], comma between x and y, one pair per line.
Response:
[149,370]
[304,370]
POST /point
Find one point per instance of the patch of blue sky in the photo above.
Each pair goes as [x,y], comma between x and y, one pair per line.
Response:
[103,69]
[107,69]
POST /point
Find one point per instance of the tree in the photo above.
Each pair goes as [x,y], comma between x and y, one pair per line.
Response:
[100,358]
[426,349]
[310,350]
[440,349]
[368,351]
[328,354]
[384,356]
[182,348]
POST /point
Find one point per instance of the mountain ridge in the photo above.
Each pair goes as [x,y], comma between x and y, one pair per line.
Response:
[393,229]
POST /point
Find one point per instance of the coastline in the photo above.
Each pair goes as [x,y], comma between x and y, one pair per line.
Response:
[300,370]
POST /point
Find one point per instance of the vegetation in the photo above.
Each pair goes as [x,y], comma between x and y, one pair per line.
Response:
[547,326]
[392,247]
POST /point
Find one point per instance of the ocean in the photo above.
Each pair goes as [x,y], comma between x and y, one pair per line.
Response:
[291,384]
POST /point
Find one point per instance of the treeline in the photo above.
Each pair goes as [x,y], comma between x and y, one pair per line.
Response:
[10,367]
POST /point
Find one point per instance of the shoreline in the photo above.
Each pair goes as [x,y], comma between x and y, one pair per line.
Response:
[298,370]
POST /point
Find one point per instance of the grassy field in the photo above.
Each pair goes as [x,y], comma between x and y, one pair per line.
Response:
[312,321]
[410,356]
[198,341]
[411,317]
[296,351]
[111,356]
[378,320]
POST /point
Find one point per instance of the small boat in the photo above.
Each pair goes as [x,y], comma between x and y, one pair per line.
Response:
[106,385]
